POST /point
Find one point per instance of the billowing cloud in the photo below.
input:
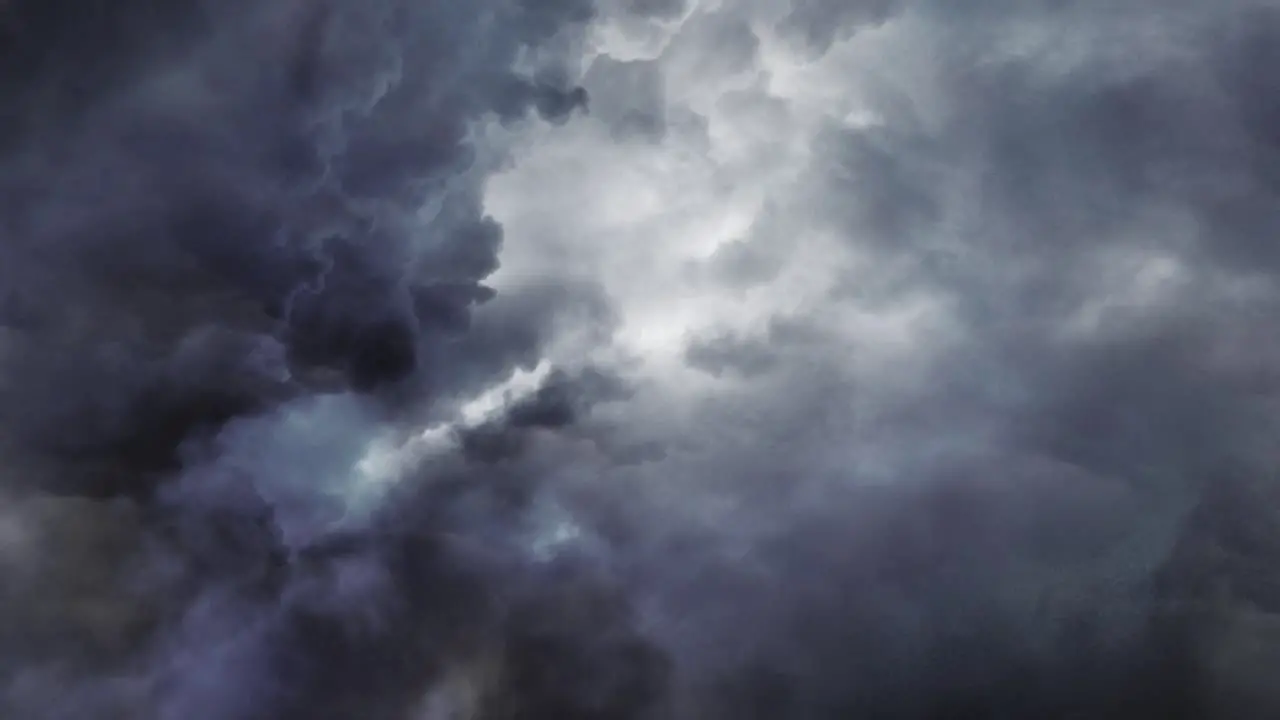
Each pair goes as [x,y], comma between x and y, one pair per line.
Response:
[638,359]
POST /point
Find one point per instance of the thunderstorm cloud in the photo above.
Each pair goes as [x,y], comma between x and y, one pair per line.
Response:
[639,359]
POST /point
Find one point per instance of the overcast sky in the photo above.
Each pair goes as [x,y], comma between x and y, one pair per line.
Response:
[522,359]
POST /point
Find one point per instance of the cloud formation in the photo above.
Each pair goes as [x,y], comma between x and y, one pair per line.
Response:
[636,359]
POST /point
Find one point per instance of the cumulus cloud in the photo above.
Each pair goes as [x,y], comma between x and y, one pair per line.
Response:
[637,359]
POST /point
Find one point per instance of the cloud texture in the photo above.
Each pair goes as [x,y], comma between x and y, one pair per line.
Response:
[522,359]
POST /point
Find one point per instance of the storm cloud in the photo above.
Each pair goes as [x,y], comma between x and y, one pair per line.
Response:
[516,359]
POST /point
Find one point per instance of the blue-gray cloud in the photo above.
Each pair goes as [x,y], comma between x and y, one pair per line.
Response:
[968,415]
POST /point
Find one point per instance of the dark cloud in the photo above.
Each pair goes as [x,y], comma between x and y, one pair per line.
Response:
[1032,193]
[655,8]
[714,43]
[561,402]
[723,353]
[243,254]
[752,260]
[238,235]
[820,23]
[224,190]
[629,97]
[729,352]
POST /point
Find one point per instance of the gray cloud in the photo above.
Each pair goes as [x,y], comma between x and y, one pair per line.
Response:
[356,363]
[1045,191]
[258,243]
[820,23]
[629,96]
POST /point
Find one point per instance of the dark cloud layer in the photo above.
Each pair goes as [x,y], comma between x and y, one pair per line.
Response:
[245,243]
[258,216]
[222,219]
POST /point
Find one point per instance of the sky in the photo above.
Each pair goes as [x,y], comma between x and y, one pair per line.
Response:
[639,359]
